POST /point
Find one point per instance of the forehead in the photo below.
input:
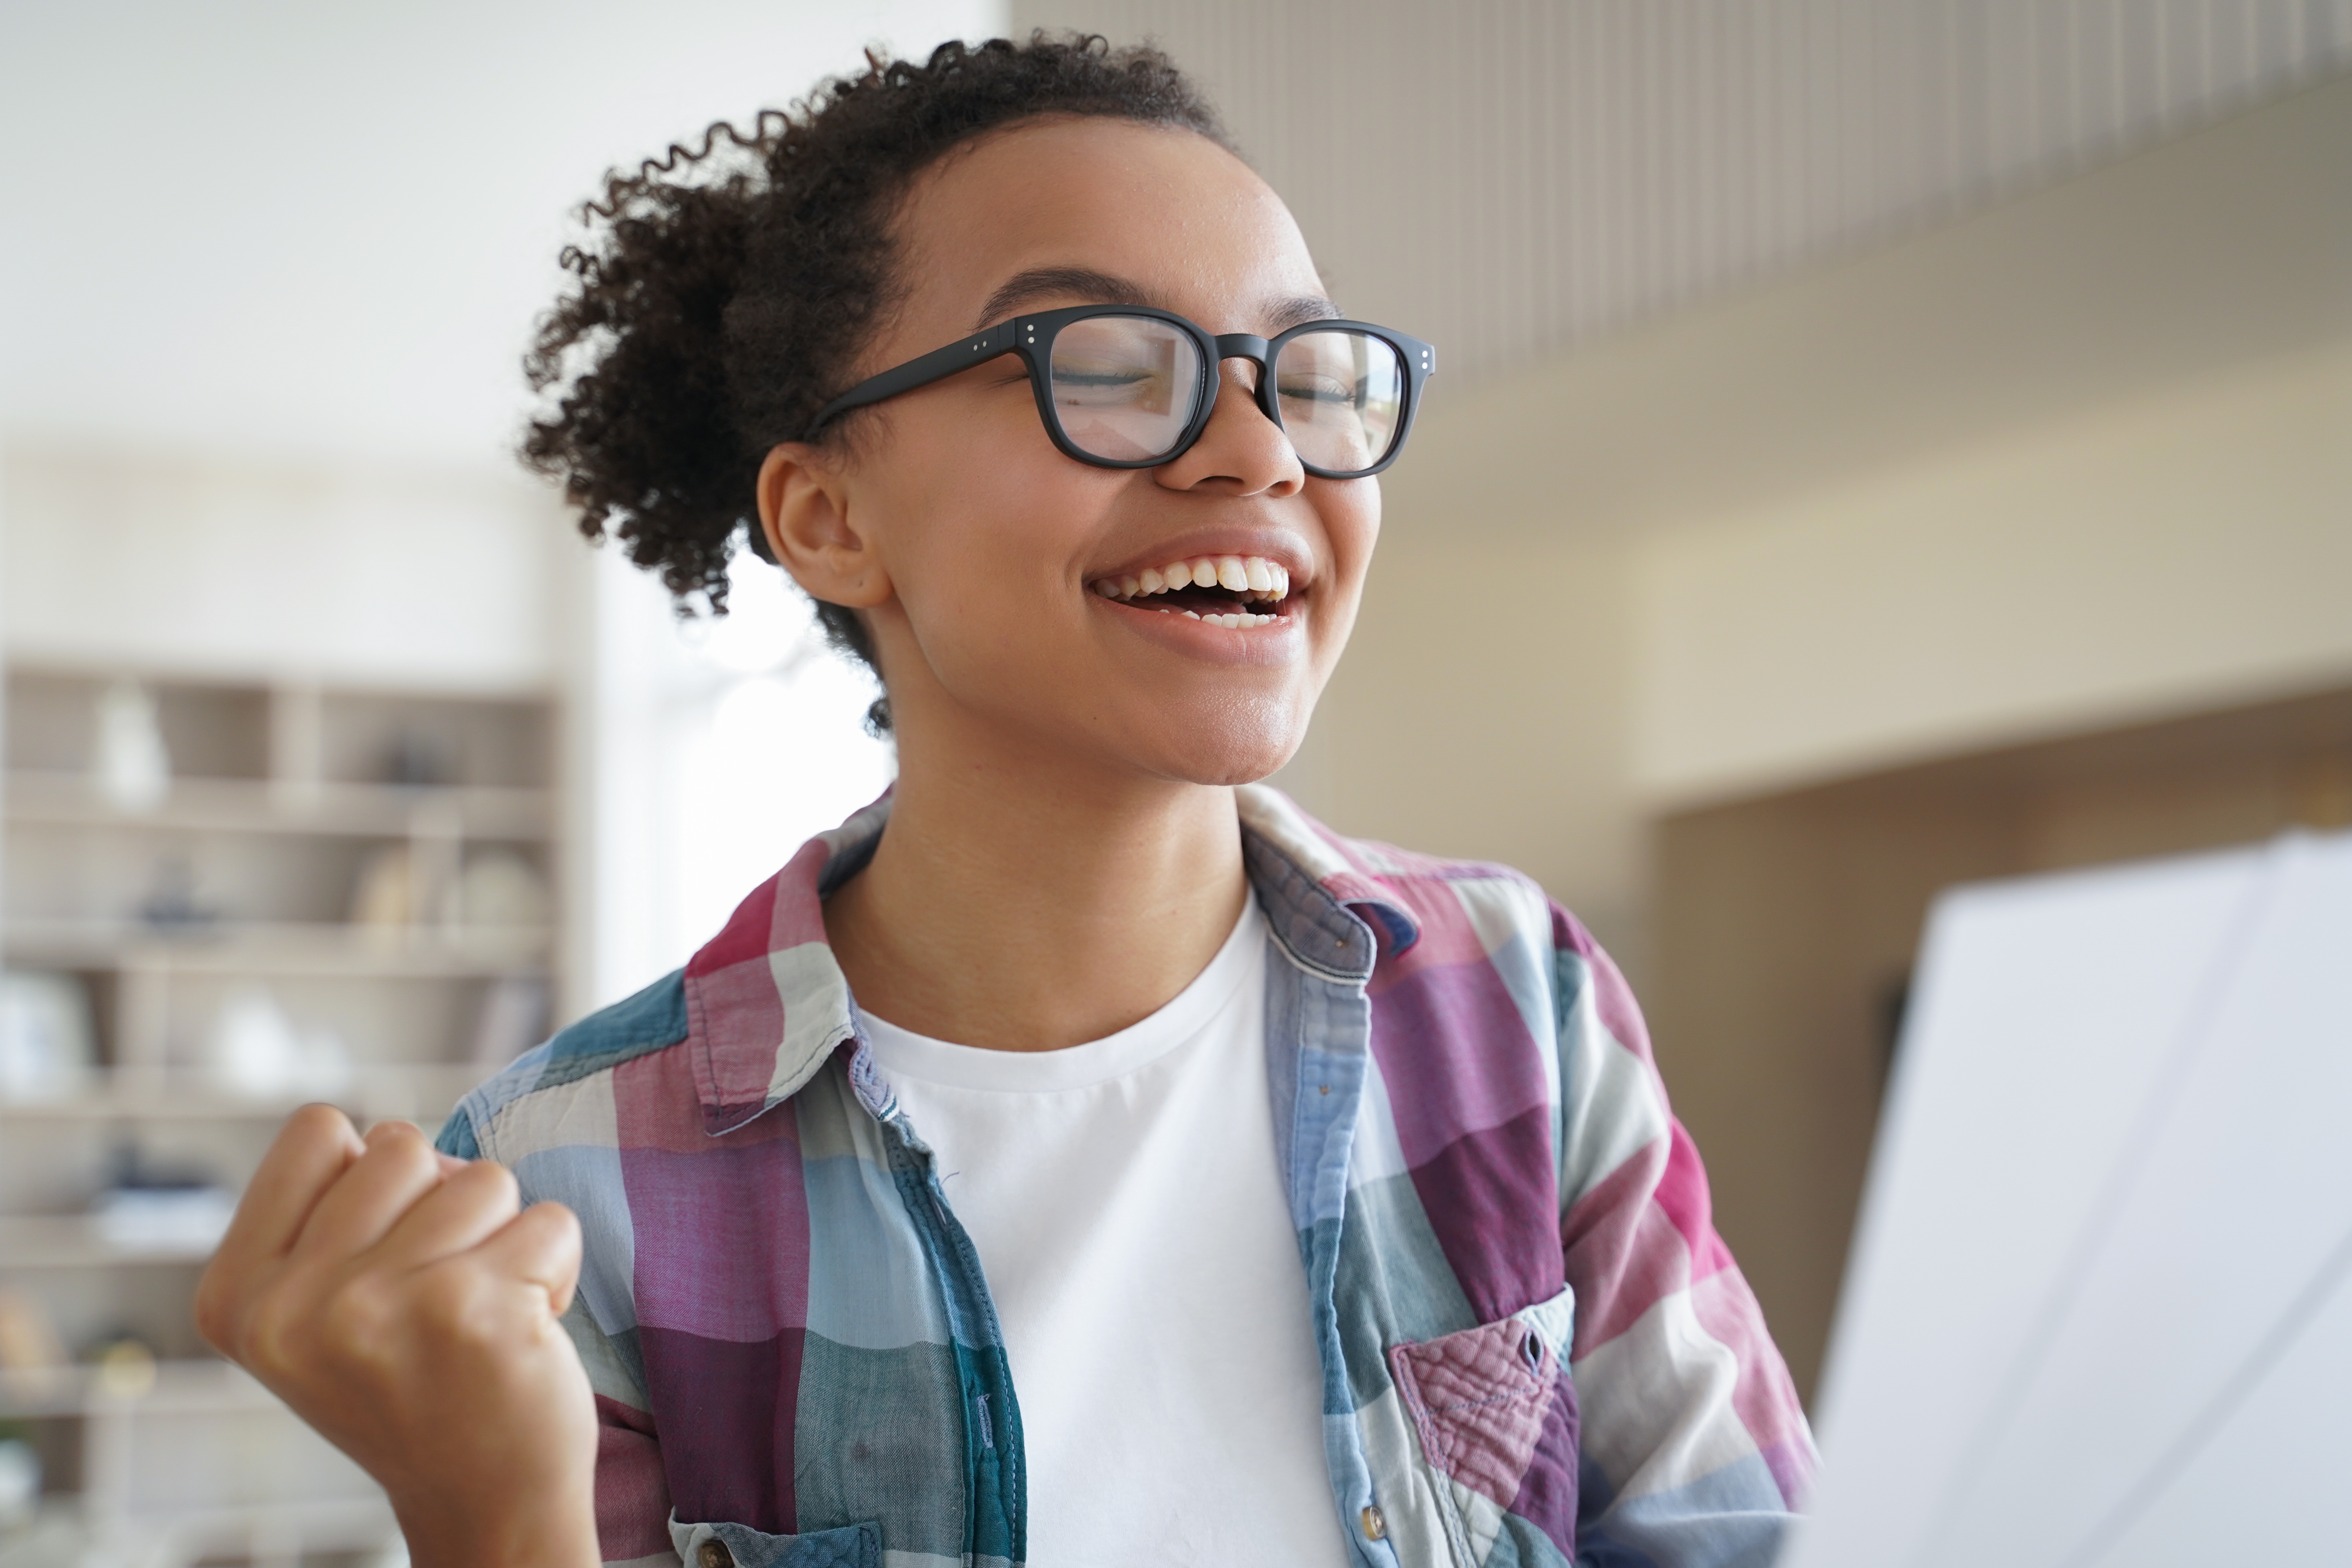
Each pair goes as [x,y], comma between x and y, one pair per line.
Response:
[1167,209]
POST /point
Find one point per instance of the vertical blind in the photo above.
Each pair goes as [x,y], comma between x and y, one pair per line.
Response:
[1511,177]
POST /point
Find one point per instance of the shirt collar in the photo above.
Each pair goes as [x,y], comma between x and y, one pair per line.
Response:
[767,1005]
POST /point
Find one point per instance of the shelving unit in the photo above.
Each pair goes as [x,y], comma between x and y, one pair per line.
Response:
[369,873]
[193,1461]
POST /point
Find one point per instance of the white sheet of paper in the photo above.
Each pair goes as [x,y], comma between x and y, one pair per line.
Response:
[2107,1178]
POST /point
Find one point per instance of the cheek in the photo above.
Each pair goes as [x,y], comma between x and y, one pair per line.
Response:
[1350,513]
[982,537]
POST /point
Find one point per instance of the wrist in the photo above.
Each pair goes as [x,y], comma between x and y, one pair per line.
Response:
[533,1532]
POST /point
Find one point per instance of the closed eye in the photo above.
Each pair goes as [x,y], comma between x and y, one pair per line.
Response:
[1100,377]
[1322,389]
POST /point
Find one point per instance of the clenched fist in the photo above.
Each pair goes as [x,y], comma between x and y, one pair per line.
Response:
[403,1303]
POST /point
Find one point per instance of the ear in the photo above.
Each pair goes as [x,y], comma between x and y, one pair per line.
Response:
[804,513]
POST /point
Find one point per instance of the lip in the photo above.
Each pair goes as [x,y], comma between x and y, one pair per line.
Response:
[1281,643]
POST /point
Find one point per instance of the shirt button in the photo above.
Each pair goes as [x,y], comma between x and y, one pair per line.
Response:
[1376,1524]
[714,1555]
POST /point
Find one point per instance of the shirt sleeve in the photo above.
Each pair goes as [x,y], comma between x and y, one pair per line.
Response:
[632,1491]
[1696,1450]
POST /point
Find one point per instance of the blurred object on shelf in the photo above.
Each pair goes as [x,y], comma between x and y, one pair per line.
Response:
[499,889]
[132,767]
[419,759]
[513,1019]
[384,899]
[163,1219]
[151,1208]
[126,1370]
[46,1041]
[255,1051]
[29,1345]
[20,1484]
[172,904]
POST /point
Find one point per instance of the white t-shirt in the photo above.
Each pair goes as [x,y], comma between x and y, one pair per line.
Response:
[1124,1203]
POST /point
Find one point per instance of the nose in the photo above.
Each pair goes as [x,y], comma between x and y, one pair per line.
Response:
[1241,449]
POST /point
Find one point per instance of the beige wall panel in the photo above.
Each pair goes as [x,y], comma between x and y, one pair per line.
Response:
[1944,446]
[2229,245]
[1785,928]
[1481,713]
[2183,549]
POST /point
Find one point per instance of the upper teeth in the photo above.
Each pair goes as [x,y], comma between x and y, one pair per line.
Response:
[1253,576]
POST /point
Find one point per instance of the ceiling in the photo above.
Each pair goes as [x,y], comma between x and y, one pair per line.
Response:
[253,226]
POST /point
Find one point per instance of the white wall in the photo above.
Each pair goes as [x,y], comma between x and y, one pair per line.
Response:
[263,227]
[391,577]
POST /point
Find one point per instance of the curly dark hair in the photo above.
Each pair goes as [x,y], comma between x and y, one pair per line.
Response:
[724,290]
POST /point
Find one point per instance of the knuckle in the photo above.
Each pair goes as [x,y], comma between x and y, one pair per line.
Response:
[456,1308]
[400,1144]
[395,1129]
[497,1185]
[355,1312]
[312,1123]
[270,1337]
[555,1225]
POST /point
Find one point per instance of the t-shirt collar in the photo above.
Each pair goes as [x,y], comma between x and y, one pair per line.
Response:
[767,1004]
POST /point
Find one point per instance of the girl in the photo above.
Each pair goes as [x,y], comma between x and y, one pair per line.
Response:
[1079,1156]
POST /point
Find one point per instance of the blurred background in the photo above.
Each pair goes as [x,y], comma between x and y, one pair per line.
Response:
[1881,445]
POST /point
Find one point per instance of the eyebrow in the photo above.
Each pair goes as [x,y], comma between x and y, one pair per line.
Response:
[1102,287]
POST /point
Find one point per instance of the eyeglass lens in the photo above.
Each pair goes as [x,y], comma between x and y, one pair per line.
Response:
[1126,388]
[1341,394]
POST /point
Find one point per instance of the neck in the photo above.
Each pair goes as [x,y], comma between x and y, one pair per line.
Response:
[1021,903]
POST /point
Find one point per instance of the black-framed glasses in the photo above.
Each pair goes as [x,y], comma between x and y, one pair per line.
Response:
[1125,386]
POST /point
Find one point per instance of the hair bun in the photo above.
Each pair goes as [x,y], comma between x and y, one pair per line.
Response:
[724,291]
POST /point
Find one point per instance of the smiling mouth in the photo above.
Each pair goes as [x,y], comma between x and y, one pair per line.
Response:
[1230,590]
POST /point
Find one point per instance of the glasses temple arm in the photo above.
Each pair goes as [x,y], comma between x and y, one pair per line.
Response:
[920,371]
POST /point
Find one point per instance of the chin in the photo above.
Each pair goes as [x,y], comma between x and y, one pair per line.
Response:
[1241,746]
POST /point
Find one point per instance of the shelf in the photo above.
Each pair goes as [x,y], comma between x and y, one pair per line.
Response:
[65,1530]
[265,821]
[74,1241]
[259,805]
[135,1094]
[199,1387]
[288,948]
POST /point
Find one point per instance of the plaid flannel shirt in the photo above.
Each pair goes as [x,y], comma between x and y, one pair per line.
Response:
[1536,1350]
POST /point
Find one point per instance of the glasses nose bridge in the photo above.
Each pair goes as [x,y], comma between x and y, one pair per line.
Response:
[1242,346]
[1245,346]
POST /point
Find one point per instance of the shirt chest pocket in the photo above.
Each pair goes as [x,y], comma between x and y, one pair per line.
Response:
[739,1546]
[1496,1419]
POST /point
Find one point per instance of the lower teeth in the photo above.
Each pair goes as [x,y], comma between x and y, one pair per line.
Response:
[1237,622]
